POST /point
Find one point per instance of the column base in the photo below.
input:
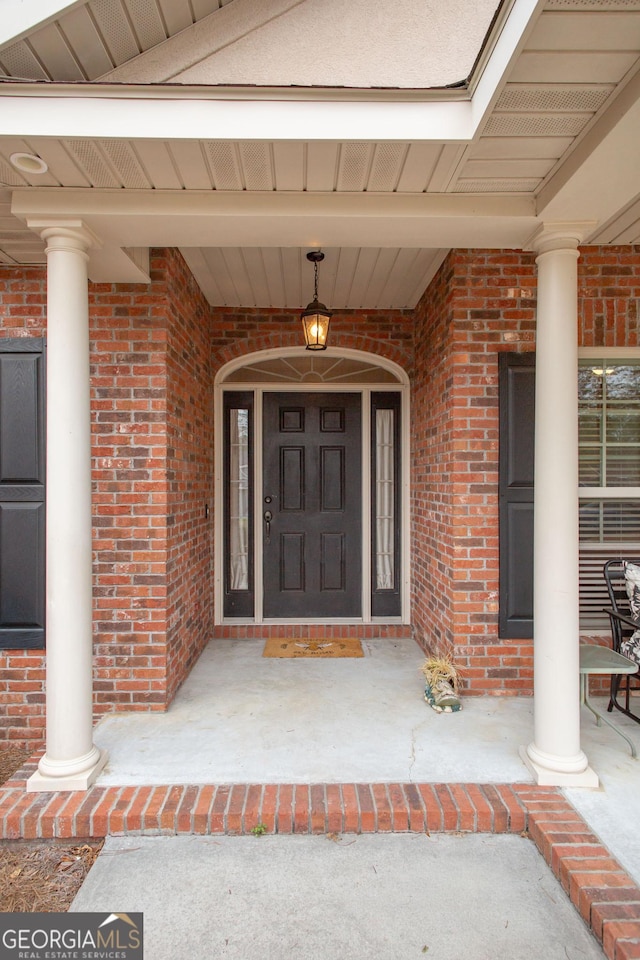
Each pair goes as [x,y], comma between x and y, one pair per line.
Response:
[545,777]
[65,782]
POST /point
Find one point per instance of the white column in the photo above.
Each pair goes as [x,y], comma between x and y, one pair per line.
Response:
[71,761]
[555,756]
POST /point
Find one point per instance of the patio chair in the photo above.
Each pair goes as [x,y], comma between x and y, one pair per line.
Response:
[625,623]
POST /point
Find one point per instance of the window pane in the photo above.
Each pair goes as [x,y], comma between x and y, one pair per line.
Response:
[590,467]
[622,382]
[609,424]
[623,426]
[610,521]
[590,425]
[385,498]
[239,500]
[623,467]
[590,382]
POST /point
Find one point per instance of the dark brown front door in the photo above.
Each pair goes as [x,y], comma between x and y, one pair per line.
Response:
[312,505]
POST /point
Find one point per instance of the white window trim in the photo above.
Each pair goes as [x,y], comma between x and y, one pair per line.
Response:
[615,355]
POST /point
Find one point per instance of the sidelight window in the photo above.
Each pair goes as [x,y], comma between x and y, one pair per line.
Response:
[385,484]
[609,443]
[238,496]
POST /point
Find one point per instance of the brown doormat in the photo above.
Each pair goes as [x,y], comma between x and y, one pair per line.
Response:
[341,647]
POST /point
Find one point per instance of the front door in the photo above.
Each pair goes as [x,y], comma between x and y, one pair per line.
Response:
[312,505]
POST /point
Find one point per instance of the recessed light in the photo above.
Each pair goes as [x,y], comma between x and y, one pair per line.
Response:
[28,163]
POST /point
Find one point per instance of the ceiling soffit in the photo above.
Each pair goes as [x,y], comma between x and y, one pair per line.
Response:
[572,79]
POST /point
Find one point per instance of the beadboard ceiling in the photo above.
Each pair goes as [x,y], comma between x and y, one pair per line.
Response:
[558,139]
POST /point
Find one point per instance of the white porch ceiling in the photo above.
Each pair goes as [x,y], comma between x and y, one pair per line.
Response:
[557,138]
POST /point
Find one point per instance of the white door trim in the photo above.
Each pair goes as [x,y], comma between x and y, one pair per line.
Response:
[258,389]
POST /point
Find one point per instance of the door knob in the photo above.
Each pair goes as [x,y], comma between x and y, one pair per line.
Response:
[268,517]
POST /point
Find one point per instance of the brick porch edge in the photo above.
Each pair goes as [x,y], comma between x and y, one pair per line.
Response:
[606,897]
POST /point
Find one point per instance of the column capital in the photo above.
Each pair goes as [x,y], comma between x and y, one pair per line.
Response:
[559,235]
[65,233]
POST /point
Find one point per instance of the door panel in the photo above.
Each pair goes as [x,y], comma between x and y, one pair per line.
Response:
[22,509]
[312,490]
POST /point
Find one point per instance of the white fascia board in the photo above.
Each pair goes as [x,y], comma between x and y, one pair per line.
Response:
[189,119]
[517,27]
[194,219]
[62,201]
[20,17]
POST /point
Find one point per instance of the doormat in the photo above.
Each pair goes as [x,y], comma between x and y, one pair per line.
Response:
[340,647]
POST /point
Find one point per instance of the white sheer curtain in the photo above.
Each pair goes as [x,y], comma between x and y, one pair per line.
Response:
[239,500]
[385,497]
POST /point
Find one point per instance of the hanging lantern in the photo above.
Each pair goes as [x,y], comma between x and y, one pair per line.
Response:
[316,317]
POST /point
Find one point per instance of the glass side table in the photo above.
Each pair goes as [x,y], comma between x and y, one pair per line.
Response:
[602,660]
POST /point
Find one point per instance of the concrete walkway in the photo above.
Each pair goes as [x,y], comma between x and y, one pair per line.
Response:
[357,898]
[348,751]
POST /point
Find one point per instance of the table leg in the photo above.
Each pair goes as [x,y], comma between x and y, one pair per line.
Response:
[599,716]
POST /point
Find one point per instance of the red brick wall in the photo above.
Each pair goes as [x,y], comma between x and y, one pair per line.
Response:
[129,394]
[386,333]
[189,411]
[155,352]
[609,291]
[483,302]
[432,432]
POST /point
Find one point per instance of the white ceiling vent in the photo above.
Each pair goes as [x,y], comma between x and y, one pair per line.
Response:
[558,99]
[496,186]
[387,164]
[593,5]
[126,163]
[535,125]
[147,23]
[224,165]
[18,61]
[9,176]
[113,25]
[353,171]
[92,163]
[256,162]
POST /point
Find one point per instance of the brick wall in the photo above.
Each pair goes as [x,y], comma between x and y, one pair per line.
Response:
[128,325]
[480,303]
[155,352]
[189,413]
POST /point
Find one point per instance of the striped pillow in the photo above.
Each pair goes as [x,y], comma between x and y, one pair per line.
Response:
[631,647]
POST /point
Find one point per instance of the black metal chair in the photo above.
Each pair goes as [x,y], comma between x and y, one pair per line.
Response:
[622,627]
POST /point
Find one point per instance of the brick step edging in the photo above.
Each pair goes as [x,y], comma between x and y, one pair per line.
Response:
[606,897]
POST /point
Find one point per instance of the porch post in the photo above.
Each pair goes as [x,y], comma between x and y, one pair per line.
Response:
[555,756]
[71,761]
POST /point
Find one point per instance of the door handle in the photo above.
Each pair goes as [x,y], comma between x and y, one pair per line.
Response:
[268,517]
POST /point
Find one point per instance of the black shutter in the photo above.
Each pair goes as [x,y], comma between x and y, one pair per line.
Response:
[22,458]
[517,399]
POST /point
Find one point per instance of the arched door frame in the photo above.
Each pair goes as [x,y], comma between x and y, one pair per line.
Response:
[399,384]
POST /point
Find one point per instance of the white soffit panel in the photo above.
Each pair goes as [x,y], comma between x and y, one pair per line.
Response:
[19,18]
[352,278]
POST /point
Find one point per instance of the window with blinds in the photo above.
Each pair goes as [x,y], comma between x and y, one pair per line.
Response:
[609,439]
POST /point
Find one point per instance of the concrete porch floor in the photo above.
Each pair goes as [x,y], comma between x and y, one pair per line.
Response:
[241,718]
